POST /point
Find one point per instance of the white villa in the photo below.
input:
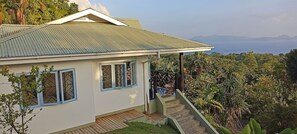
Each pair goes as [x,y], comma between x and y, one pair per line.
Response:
[101,66]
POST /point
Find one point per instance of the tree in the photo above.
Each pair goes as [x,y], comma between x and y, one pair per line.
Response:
[165,63]
[250,60]
[34,12]
[7,11]
[15,107]
[280,118]
[73,8]
[23,4]
[243,86]
[291,63]
[253,127]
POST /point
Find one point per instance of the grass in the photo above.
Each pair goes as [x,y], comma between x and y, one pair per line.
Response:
[144,128]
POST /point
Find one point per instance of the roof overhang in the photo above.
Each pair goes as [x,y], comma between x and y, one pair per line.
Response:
[59,58]
[85,13]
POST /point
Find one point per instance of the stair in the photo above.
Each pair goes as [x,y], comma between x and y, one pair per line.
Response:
[183,116]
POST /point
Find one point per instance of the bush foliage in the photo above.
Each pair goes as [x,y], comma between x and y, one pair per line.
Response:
[230,89]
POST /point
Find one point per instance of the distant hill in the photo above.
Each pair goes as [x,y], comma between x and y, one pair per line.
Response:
[238,44]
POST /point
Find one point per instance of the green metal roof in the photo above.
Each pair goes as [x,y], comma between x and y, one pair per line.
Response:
[10,29]
[86,38]
[130,22]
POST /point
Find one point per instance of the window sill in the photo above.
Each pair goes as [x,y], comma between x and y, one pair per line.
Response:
[52,104]
[118,88]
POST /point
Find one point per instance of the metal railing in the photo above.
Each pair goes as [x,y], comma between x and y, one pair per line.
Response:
[210,129]
[163,82]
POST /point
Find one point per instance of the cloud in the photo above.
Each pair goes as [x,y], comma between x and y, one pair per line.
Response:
[83,4]
[276,17]
[101,9]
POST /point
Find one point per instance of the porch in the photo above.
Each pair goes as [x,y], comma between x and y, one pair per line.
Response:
[108,123]
[165,83]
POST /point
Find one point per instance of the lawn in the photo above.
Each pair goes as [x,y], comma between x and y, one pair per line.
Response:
[144,128]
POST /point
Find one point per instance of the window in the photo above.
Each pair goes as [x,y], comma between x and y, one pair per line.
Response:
[133,66]
[107,76]
[50,89]
[118,75]
[57,87]
[67,85]
[131,73]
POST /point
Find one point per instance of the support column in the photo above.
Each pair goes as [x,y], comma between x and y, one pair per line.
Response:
[146,76]
[181,73]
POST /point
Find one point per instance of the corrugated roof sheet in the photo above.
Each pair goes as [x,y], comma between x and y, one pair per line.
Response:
[130,22]
[10,29]
[84,38]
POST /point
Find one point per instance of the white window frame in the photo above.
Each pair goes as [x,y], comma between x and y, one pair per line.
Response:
[74,86]
[60,100]
[112,64]
[114,75]
[132,82]
[57,91]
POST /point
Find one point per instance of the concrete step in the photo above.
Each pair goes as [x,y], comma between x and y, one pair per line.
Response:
[191,122]
[172,102]
[196,130]
[168,98]
[192,127]
[174,109]
[200,130]
[185,118]
[181,113]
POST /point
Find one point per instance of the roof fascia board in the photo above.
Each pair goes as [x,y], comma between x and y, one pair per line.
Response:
[84,13]
[44,59]
[61,59]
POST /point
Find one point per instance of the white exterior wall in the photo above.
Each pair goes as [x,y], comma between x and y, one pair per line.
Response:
[91,101]
[63,116]
[118,99]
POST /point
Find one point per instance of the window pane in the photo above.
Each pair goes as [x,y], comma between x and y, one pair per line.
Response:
[128,68]
[133,69]
[29,95]
[49,89]
[107,76]
[68,85]
[120,75]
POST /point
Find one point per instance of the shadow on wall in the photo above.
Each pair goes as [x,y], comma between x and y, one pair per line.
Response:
[132,97]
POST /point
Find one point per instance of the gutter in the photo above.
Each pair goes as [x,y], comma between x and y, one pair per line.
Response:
[57,58]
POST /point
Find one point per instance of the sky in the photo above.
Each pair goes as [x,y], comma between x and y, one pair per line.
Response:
[186,19]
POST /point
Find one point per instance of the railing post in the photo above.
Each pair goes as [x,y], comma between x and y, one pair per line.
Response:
[181,72]
[176,85]
[155,87]
[151,90]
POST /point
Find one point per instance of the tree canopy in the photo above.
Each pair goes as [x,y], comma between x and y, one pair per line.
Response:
[291,63]
[229,89]
[34,12]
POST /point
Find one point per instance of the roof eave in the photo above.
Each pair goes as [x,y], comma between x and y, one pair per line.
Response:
[74,57]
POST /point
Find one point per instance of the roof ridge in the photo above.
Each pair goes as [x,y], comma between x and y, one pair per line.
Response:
[18,25]
[206,45]
[22,33]
[169,36]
